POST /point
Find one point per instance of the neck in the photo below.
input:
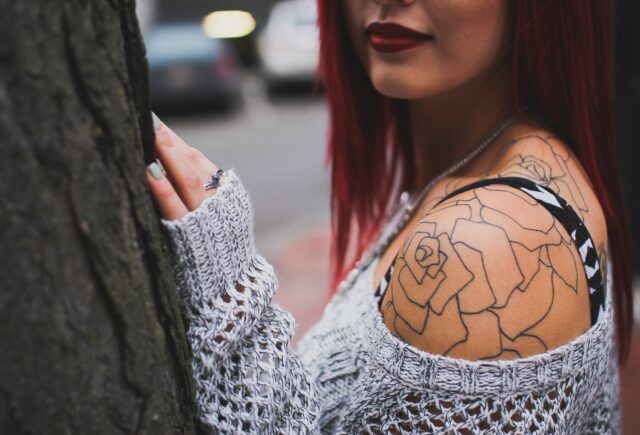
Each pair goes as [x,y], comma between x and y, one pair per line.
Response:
[448,126]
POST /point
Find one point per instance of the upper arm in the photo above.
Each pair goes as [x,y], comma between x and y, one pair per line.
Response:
[490,273]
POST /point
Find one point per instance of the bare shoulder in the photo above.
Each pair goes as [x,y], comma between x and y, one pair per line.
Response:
[490,273]
[544,158]
[547,160]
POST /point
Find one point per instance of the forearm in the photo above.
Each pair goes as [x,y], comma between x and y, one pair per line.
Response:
[247,378]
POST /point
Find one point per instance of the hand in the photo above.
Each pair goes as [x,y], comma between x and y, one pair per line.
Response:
[179,189]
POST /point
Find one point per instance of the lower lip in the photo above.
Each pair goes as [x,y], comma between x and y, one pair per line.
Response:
[386,44]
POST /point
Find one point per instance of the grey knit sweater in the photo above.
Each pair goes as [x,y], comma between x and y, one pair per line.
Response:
[350,374]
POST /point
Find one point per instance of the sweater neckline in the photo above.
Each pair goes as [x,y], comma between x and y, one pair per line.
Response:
[416,367]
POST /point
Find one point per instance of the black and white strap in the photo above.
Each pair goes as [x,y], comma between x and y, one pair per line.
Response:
[562,211]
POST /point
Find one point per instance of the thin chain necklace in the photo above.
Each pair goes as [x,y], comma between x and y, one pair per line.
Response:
[407,206]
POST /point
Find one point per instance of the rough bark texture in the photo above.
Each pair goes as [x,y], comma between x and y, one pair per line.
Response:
[91,337]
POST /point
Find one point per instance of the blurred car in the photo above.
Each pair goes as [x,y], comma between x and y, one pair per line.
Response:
[288,44]
[188,68]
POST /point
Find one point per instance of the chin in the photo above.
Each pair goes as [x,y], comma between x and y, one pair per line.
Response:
[406,85]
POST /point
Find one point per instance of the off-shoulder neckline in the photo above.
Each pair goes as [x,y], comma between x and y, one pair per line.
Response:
[416,367]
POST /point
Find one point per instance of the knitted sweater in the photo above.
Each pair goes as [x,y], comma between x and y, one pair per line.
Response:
[350,374]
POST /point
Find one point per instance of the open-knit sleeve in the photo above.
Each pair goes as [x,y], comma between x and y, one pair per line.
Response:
[247,378]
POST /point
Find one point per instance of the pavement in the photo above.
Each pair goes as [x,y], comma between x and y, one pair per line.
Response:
[302,268]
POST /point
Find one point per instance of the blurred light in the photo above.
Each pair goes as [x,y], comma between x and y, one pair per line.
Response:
[228,24]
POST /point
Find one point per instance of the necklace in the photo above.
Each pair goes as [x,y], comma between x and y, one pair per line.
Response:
[407,207]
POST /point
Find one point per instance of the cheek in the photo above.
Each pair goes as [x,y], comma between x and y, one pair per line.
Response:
[472,33]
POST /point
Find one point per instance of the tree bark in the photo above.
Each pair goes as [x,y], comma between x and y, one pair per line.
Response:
[91,336]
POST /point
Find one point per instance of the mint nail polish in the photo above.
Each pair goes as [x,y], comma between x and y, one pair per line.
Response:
[160,165]
[156,121]
[155,170]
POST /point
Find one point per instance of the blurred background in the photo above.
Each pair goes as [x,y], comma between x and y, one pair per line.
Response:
[235,79]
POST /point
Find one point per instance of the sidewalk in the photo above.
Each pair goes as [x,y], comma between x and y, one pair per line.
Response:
[302,267]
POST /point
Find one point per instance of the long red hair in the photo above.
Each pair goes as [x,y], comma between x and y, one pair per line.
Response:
[562,66]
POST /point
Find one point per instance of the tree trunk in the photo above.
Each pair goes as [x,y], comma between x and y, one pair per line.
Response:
[91,336]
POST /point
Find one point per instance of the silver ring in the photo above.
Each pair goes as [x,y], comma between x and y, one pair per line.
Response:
[214,180]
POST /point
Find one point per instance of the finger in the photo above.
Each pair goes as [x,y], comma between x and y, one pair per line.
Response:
[169,202]
[193,154]
[188,170]
[171,139]
[186,166]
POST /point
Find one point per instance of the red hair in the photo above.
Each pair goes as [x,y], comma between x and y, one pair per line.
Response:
[562,66]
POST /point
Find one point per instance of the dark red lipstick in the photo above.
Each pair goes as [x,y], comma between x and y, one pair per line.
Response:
[392,37]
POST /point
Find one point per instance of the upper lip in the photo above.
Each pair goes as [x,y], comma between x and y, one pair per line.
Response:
[396,30]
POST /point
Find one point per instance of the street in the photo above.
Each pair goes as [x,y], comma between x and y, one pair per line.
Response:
[277,149]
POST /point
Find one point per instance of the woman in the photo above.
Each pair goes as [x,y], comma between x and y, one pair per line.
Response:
[484,303]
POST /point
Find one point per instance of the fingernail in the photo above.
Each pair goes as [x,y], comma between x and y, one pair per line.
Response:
[160,165]
[156,121]
[155,171]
